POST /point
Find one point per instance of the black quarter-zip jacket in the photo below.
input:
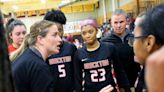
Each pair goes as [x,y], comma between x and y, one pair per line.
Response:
[126,55]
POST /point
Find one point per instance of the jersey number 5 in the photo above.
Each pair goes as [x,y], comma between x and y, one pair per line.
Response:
[94,75]
[62,72]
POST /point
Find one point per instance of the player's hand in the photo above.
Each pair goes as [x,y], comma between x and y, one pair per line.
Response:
[108,88]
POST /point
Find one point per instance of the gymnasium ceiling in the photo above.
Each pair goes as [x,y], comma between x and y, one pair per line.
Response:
[26,5]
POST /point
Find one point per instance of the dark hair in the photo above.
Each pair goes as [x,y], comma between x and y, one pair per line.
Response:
[55,16]
[153,24]
[9,22]
[10,26]
[12,23]
[6,81]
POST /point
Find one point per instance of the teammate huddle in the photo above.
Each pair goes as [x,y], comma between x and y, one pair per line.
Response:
[87,69]
[92,68]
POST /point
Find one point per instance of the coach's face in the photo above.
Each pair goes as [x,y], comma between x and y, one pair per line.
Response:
[119,24]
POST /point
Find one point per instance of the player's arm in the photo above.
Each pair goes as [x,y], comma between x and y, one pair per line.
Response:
[77,73]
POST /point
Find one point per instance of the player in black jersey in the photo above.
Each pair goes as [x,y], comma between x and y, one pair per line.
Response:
[93,63]
[61,64]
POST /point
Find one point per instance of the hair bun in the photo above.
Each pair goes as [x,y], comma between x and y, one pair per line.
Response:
[10,21]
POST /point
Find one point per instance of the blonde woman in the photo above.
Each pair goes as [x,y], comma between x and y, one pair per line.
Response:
[31,73]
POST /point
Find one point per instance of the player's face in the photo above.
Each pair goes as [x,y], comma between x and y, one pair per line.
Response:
[88,33]
[140,45]
[18,34]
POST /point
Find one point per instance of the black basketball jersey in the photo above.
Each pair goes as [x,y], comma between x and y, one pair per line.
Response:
[96,67]
[61,66]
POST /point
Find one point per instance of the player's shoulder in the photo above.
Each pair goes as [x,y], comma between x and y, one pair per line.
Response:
[107,44]
[69,44]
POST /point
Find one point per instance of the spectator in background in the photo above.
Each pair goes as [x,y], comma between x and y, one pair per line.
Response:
[61,64]
[77,43]
[16,31]
[6,81]
[130,22]
[119,37]
[106,29]
[29,68]
[70,37]
[99,33]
